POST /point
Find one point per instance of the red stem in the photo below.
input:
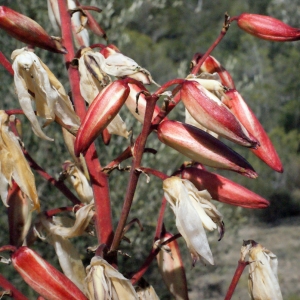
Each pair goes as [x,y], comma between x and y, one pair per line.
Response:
[213,46]
[6,63]
[15,293]
[138,150]
[99,181]
[236,277]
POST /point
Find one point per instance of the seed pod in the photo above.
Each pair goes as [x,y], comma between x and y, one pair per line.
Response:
[211,113]
[28,31]
[202,147]
[266,152]
[43,277]
[100,113]
[223,189]
[267,28]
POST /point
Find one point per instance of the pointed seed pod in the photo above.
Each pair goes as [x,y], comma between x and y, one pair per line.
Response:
[223,189]
[100,113]
[28,31]
[211,113]
[172,269]
[202,147]
[266,152]
[43,277]
[267,28]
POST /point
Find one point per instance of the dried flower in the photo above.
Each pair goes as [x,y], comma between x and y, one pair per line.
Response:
[79,181]
[263,281]
[105,282]
[34,81]
[186,200]
[13,165]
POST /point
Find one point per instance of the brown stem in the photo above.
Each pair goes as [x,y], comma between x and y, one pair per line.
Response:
[99,181]
[236,277]
[15,293]
[213,46]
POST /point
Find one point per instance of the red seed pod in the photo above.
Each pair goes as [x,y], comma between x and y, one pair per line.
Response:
[266,152]
[100,113]
[211,113]
[43,277]
[172,269]
[28,31]
[267,28]
[202,147]
[223,189]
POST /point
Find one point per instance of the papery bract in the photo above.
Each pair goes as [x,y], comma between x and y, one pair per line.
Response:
[267,28]
[211,113]
[266,152]
[28,31]
[202,147]
[223,189]
[43,277]
[100,113]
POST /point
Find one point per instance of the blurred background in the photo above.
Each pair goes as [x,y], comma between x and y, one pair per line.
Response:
[162,36]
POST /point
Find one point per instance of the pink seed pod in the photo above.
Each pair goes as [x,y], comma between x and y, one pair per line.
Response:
[211,113]
[100,113]
[28,31]
[266,152]
[43,277]
[267,28]
[223,189]
[202,147]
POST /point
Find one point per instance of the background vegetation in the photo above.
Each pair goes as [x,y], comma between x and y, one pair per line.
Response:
[162,36]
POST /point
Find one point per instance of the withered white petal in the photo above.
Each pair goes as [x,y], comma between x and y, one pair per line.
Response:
[263,281]
[105,282]
[83,218]
[191,228]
